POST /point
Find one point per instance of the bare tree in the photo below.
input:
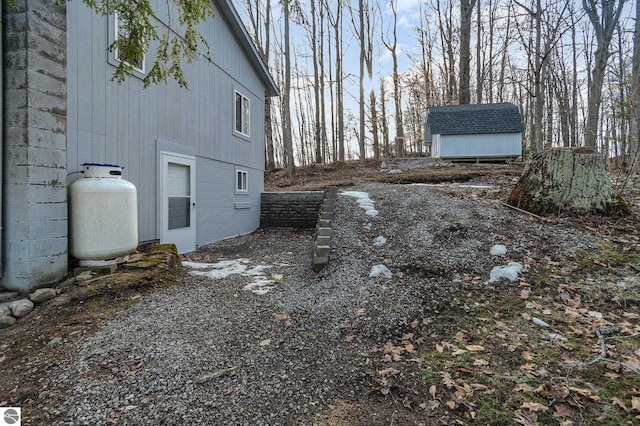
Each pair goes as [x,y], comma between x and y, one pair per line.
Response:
[466,10]
[635,94]
[604,20]
[447,41]
[547,24]
[260,18]
[386,149]
[335,20]
[397,89]
[374,124]
[286,125]
[362,36]
[316,80]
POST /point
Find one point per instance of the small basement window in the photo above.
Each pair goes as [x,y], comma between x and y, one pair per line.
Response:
[241,181]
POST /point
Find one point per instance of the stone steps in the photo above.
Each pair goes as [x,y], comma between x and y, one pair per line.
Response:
[324,231]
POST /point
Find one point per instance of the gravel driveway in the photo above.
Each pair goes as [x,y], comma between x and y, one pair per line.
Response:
[209,352]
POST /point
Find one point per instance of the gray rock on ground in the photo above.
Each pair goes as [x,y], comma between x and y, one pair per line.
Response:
[42,295]
[4,311]
[7,321]
[21,308]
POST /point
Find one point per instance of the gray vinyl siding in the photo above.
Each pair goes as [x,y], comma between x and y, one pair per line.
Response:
[126,124]
[489,145]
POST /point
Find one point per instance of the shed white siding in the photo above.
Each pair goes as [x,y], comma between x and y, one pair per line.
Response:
[477,146]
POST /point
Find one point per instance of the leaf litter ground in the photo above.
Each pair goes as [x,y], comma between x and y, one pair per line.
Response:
[436,343]
[560,345]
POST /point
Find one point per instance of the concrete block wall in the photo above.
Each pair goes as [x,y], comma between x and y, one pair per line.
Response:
[290,209]
[34,242]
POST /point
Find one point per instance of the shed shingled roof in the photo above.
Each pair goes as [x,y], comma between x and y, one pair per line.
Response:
[475,119]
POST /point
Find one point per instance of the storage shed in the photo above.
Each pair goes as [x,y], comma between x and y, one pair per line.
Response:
[483,132]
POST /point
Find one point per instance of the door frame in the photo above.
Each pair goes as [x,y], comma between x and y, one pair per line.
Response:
[184,238]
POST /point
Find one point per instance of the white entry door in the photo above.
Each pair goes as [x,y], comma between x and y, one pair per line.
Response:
[178,204]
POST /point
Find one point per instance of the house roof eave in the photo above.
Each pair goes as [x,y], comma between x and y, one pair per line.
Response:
[229,12]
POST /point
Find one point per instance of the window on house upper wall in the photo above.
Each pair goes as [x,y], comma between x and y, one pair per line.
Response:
[242,122]
[241,181]
[121,32]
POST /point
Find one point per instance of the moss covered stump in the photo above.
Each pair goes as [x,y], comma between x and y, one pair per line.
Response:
[569,182]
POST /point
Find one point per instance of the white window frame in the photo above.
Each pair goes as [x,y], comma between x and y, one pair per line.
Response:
[241,179]
[245,114]
[116,35]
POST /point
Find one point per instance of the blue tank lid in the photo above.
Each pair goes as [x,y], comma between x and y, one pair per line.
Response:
[102,165]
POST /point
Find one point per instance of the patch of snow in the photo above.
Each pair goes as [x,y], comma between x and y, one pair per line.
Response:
[363,200]
[395,172]
[258,270]
[509,272]
[379,241]
[458,185]
[260,284]
[538,321]
[498,250]
[380,270]
[557,336]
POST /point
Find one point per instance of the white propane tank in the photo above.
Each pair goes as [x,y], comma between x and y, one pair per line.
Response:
[103,216]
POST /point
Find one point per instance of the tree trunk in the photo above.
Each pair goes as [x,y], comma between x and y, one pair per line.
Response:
[604,27]
[287,137]
[316,85]
[634,140]
[567,181]
[374,124]
[361,140]
[386,149]
[466,9]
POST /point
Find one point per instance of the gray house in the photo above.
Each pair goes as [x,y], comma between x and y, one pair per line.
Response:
[60,110]
[474,132]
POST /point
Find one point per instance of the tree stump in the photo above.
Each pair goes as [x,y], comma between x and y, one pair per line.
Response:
[567,181]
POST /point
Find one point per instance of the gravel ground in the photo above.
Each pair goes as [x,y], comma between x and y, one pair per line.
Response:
[208,352]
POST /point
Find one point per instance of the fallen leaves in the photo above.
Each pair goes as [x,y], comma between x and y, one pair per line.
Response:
[388,372]
[474,348]
[432,391]
[284,317]
[534,406]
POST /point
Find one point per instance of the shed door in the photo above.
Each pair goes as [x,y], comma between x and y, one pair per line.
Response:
[178,210]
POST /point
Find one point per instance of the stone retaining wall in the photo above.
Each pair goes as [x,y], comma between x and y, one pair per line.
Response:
[290,209]
[324,230]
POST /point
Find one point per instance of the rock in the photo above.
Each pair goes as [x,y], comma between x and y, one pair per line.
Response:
[379,241]
[21,308]
[7,321]
[4,311]
[54,341]
[380,271]
[85,276]
[42,295]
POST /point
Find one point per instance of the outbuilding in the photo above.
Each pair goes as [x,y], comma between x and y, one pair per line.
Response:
[483,132]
